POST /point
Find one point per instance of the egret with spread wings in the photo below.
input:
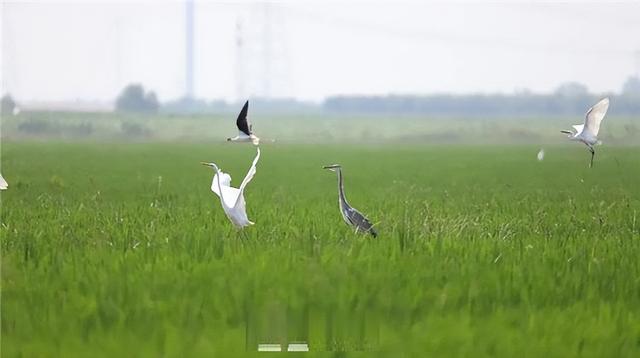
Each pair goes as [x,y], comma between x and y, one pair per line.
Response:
[244,128]
[350,215]
[3,183]
[587,133]
[232,199]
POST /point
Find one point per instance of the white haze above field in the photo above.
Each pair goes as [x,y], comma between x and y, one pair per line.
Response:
[60,51]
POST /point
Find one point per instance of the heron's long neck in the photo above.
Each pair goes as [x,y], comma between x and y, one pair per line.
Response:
[341,196]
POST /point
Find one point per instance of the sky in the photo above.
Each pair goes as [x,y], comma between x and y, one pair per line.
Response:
[65,51]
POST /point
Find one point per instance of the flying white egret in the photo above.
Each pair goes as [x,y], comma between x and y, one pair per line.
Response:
[350,215]
[587,133]
[232,199]
[244,128]
[3,183]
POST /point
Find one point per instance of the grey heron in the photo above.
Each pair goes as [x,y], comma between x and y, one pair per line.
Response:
[350,215]
[244,128]
[232,199]
[587,133]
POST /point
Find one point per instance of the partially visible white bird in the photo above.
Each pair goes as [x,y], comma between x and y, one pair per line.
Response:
[244,128]
[587,133]
[541,155]
[3,183]
[16,110]
[232,199]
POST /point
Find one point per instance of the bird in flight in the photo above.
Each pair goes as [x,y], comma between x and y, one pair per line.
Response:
[350,215]
[3,183]
[244,128]
[587,133]
[232,199]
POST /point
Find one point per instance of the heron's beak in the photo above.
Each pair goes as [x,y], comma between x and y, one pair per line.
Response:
[205,164]
[566,132]
[332,166]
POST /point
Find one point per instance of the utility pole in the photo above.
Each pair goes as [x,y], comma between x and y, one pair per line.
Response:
[189,20]
[267,43]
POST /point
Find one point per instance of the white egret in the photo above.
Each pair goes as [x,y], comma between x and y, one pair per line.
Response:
[232,199]
[350,215]
[541,155]
[3,183]
[587,133]
[244,128]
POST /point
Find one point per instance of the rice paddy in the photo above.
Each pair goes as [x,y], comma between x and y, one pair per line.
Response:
[122,250]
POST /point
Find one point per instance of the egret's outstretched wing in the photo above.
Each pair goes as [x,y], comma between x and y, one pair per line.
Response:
[578,128]
[595,115]
[3,183]
[229,195]
[250,173]
[241,122]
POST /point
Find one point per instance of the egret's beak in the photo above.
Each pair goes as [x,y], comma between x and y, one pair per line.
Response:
[205,164]
[228,139]
[566,132]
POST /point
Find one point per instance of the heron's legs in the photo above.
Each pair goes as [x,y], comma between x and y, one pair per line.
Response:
[593,153]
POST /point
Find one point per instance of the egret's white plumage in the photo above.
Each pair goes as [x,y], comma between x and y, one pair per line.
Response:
[232,199]
[3,183]
[587,133]
[541,154]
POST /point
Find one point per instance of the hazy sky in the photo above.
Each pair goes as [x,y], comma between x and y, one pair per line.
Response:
[77,50]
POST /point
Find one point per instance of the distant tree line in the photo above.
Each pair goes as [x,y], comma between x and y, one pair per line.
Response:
[134,98]
[199,106]
[7,105]
[568,99]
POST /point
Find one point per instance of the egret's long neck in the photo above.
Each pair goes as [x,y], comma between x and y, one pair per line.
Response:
[341,196]
[217,179]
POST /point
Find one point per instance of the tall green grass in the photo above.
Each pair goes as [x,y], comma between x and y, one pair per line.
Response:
[122,250]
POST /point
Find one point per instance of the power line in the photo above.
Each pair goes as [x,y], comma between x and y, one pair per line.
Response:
[445,37]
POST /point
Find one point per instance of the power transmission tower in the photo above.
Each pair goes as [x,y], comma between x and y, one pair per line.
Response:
[262,63]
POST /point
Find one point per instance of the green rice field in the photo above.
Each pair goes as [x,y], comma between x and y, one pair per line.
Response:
[120,249]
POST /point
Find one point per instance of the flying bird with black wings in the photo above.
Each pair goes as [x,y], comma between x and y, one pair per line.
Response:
[244,128]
